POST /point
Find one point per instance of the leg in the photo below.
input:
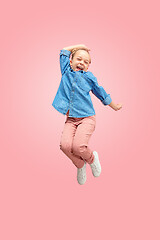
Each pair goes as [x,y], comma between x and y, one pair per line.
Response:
[83,133]
[67,141]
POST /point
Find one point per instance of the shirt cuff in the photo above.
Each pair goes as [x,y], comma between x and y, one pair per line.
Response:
[65,52]
[107,100]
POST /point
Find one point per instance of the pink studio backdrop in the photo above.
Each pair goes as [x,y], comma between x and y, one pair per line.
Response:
[40,197]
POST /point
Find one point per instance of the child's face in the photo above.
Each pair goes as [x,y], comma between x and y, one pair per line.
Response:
[80,61]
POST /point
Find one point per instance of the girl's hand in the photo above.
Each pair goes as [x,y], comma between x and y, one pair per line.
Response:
[118,106]
[81,46]
[75,47]
[85,47]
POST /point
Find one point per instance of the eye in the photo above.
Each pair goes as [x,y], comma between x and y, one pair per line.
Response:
[86,62]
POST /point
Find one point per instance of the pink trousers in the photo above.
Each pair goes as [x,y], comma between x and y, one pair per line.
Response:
[75,138]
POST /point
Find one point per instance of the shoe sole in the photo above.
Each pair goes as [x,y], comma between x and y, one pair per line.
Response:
[99,173]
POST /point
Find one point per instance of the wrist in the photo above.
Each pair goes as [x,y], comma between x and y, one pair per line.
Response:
[71,48]
[113,105]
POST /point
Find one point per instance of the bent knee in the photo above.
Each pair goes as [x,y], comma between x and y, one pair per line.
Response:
[65,146]
[79,149]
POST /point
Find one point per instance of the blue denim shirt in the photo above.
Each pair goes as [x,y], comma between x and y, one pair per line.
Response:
[73,93]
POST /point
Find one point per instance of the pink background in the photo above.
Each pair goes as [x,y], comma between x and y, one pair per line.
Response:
[40,197]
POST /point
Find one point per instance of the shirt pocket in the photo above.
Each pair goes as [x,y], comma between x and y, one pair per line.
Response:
[84,84]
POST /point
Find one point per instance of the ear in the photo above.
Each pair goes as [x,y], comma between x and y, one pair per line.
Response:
[71,62]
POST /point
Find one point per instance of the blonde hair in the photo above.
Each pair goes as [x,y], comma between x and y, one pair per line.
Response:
[77,49]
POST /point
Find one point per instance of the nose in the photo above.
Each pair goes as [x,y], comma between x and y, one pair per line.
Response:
[81,62]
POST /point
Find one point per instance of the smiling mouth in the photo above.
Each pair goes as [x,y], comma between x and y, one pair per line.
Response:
[79,68]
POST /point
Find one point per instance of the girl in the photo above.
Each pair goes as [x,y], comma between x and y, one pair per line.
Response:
[73,100]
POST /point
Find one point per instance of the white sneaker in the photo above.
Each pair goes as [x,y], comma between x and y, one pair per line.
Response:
[81,174]
[96,166]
